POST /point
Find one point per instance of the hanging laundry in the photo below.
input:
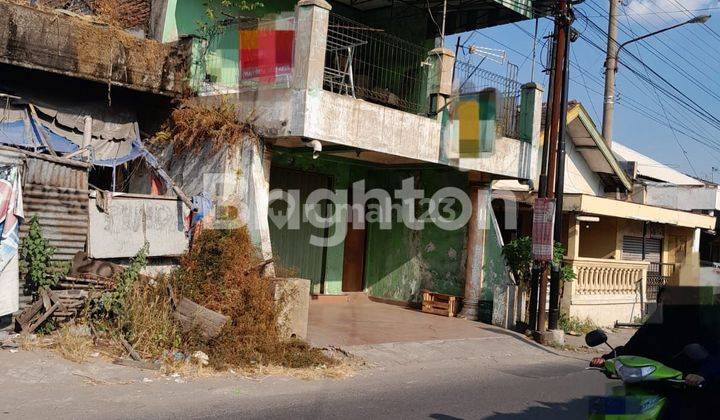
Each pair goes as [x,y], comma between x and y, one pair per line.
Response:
[11,215]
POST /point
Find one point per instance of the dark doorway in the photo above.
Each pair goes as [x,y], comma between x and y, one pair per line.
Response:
[292,248]
[354,256]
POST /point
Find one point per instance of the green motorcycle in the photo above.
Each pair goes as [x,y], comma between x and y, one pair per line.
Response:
[646,383]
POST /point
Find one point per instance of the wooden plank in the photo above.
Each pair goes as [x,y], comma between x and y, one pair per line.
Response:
[28,314]
[193,316]
[44,316]
[129,348]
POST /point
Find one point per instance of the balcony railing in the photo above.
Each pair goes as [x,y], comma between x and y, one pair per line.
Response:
[471,78]
[603,277]
[378,67]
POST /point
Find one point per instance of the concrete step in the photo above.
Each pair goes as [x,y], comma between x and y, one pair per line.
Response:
[342,298]
[345,297]
[357,297]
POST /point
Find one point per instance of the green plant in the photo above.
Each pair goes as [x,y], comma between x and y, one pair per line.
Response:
[575,324]
[111,305]
[36,262]
[566,273]
[518,254]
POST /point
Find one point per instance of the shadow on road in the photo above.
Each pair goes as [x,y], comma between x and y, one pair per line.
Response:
[574,409]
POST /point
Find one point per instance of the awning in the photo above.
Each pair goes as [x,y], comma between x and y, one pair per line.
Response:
[113,140]
[589,204]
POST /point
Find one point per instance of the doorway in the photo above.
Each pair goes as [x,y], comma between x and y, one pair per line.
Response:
[292,248]
[354,254]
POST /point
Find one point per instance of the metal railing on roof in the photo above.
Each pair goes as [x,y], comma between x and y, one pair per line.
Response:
[373,65]
[471,78]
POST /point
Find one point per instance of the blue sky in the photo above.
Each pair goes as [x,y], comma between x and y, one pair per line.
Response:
[688,57]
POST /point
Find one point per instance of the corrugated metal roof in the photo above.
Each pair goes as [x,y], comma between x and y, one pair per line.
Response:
[650,168]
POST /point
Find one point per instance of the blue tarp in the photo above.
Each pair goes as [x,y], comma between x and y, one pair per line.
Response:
[15,133]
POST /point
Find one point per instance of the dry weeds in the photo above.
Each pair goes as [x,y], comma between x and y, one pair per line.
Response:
[72,346]
[152,327]
[195,123]
[214,275]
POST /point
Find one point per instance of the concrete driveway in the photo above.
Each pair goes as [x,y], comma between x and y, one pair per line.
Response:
[355,320]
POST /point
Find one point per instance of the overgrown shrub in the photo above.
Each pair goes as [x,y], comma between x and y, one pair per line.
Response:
[36,262]
[518,254]
[138,309]
[216,274]
[575,324]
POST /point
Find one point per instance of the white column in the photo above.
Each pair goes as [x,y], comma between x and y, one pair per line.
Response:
[480,196]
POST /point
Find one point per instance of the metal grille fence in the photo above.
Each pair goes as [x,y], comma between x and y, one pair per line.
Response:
[471,78]
[657,276]
[370,64]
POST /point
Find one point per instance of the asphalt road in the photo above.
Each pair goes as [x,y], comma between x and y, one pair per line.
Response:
[498,377]
[554,389]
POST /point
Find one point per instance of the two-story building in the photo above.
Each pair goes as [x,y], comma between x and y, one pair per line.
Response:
[345,94]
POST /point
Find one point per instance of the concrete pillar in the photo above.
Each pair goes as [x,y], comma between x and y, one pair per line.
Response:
[254,167]
[480,197]
[531,98]
[689,269]
[310,43]
[573,246]
[439,87]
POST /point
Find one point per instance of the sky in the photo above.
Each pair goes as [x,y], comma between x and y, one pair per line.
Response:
[651,120]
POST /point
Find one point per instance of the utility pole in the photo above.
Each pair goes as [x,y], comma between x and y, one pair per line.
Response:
[610,69]
[538,268]
[611,63]
[554,313]
[552,178]
[554,111]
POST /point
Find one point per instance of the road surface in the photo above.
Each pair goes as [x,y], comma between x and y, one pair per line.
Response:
[498,377]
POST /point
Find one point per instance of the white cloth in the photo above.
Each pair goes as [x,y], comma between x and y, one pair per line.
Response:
[10,288]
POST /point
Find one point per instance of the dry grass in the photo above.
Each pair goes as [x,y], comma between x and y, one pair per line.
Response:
[152,328]
[194,123]
[214,275]
[73,347]
[340,370]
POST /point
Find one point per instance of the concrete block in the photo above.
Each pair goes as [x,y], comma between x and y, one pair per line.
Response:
[550,337]
[294,295]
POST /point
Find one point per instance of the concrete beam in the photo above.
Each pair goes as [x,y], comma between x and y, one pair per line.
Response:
[529,126]
[75,47]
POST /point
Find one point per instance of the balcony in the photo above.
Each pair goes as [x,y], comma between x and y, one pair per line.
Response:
[363,89]
[372,65]
[69,45]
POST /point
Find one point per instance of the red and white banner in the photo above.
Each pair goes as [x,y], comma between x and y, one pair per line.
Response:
[266,52]
[542,230]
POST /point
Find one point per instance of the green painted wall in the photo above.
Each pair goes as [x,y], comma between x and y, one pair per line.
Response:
[183,17]
[400,262]
[343,175]
[494,269]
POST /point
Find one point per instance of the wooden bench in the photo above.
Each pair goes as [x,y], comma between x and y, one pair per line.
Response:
[440,303]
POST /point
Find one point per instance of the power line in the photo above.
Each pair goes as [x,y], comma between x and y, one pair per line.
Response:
[674,92]
[665,115]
